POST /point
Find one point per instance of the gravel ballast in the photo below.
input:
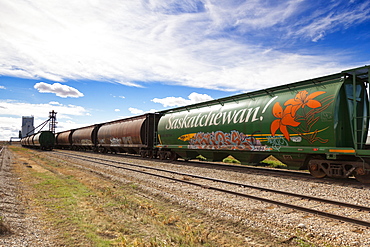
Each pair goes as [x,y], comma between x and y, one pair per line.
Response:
[280,221]
[25,228]
[285,224]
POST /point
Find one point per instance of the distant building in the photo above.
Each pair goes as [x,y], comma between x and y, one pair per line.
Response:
[27,126]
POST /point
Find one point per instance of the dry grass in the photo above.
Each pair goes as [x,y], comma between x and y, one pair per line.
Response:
[89,210]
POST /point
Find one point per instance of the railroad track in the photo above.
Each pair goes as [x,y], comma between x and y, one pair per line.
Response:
[239,189]
[299,174]
[2,156]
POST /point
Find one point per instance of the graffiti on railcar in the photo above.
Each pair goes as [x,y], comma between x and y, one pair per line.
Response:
[234,140]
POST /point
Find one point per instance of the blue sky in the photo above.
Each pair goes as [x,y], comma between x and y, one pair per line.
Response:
[94,61]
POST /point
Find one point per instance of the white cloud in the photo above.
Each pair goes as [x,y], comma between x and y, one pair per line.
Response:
[11,113]
[60,90]
[130,84]
[9,127]
[117,110]
[2,87]
[67,125]
[328,20]
[179,101]
[122,97]
[177,42]
[16,108]
[197,98]
[250,14]
[135,111]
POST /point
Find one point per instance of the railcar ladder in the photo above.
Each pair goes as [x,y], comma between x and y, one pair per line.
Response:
[362,74]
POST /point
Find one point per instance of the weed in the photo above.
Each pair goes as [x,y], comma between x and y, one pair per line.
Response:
[171,220]
[201,158]
[231,159]
[273,162]
[303,243]
[134,186]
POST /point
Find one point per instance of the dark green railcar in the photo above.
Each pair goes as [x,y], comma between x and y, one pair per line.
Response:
[319,124]
[43,140]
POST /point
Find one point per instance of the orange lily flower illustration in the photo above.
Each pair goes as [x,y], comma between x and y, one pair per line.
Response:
[285,119]
[302,99]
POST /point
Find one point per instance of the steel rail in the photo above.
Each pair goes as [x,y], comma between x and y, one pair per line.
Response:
[303,209]
[286,172]
[229,166]
[323,200]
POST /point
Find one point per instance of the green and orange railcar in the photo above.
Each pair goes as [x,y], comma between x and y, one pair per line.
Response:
[319,124]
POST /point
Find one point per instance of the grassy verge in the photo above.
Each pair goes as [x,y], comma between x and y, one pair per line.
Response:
[88,210]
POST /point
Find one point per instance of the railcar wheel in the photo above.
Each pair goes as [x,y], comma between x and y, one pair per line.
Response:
[162,155]
[174,156]
[151,155]
[362,176]
[316,171]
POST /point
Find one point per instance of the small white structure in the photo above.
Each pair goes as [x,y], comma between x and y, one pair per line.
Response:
[27,126]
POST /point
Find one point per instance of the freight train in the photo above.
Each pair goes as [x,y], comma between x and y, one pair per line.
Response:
[320,125]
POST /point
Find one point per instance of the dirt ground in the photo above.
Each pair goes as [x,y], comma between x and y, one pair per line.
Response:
[51,203]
